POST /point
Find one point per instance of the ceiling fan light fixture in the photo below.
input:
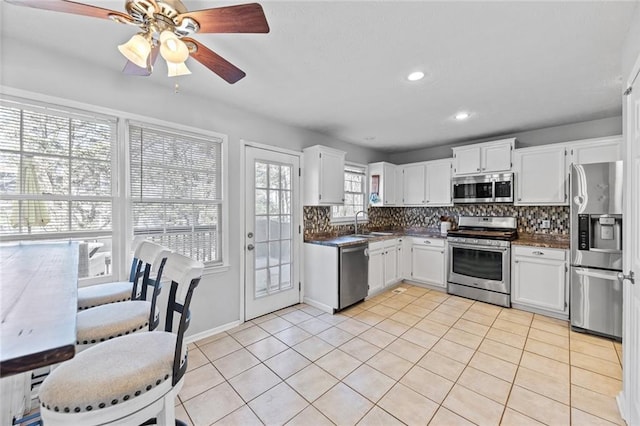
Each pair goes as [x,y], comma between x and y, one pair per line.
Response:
[176,70]
[136,50]
[172,48]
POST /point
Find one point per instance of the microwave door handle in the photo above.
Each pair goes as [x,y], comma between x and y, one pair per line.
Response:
[493,190]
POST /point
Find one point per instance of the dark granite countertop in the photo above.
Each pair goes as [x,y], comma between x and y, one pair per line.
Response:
[350,239]
[556,241]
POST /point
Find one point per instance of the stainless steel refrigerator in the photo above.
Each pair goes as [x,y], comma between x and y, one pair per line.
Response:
[596,248]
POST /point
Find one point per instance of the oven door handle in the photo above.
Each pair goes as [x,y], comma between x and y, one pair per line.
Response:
[485,248]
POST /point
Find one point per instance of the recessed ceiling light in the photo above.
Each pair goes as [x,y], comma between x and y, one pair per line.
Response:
[415,76]
[462,116]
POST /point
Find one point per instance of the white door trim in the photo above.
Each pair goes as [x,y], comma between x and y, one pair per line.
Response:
[243,227]
[626,397]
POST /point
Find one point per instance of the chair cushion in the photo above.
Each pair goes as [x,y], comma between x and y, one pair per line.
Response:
[101,294]
[113,320]
[111,372]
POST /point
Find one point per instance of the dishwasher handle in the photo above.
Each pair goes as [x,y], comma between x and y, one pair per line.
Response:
[350,249]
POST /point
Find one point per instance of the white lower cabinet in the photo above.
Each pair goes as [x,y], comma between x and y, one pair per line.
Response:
[376,269]
[540,280]
[428,261]
[384,261]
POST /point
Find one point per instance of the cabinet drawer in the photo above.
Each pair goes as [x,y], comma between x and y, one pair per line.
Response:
[390,243]
[378,245]
[432,242]
[539,252]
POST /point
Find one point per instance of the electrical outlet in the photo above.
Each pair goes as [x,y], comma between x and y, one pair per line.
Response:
[545,224]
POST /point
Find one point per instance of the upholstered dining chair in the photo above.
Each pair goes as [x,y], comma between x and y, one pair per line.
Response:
[105,322]
[130,379]
[112,292]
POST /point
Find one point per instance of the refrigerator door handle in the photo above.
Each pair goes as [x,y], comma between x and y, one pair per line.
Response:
[630,277]
[612,276]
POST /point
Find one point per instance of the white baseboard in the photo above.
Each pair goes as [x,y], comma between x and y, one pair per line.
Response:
[324,308]
[622,407]
[556,315]
[208,333]
[425,285]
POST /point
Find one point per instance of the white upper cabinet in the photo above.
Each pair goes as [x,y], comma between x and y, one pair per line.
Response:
[323,176]
[439,183]
[486,157]
[541,176]
[598,150]
[382,185]
[413,184]
[427,183]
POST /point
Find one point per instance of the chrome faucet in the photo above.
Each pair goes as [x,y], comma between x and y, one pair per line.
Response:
[356,220]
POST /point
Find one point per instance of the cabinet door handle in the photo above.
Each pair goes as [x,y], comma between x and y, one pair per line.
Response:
[478,169]
[538,253]
[516,261]
[427,242]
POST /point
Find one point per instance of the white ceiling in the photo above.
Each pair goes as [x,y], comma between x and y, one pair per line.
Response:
[340,67]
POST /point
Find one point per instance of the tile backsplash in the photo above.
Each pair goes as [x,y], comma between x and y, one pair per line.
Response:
[318,219]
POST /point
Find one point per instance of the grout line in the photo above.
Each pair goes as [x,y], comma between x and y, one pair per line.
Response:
[439,304]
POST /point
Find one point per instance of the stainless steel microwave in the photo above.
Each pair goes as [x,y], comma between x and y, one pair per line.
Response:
[490,188]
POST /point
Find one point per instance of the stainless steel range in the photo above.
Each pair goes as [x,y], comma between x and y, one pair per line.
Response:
[480,258]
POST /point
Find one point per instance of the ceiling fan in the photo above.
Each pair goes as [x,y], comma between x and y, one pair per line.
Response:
[166,27]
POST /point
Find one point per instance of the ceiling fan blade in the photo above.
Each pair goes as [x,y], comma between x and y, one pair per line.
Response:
[216,63]
[132,69]
[73,7]
[244,18]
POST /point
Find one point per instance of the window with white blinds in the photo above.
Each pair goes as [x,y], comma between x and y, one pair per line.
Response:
[355,178]
[55,172]
[176,190]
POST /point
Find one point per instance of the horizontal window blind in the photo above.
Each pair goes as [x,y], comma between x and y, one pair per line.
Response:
[354,193]
[175,186]
[55,171]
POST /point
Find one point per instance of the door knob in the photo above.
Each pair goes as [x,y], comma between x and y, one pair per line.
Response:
[250,247]
[630,277]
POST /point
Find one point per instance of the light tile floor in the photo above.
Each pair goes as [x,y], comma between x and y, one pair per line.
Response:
[417,357]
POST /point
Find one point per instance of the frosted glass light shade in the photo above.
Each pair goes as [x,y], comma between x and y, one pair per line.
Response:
[176,70]
[172,48]
[136,50]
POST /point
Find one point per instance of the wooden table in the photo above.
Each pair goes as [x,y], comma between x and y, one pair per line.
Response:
[38,305]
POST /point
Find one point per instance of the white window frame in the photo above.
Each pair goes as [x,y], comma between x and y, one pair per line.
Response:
[60,109]
[361,218]
[122,228]
[222,188]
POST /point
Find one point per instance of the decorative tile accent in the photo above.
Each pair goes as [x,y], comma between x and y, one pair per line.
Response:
[317,220]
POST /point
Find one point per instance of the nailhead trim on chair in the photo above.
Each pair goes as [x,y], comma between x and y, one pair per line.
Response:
[113,301]
[114,401]
[86,342]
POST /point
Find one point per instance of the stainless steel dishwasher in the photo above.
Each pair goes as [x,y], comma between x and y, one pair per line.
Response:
[354,274]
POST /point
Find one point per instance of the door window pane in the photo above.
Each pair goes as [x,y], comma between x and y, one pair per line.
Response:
[273,227]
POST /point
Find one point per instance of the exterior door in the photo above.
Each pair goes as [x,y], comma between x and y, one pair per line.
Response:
[631,261]
[272,231]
